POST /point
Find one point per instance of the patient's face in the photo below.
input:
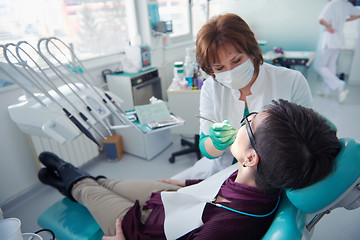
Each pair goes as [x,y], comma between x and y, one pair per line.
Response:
[242,142]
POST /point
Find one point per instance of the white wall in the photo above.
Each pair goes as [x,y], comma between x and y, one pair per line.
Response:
[17,167]
[293,25]
[354,77]
[290,24]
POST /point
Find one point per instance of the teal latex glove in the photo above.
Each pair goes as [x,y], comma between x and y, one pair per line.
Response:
[222,135]
[202,148]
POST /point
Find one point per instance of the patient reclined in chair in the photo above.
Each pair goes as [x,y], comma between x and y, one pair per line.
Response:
[294,218]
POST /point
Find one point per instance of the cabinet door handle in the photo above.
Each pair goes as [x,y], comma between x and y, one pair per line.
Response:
[144,84]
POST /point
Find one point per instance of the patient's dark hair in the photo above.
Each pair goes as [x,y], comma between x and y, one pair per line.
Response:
[296,146]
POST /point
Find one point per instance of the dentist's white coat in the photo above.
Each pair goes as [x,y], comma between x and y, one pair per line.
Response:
[220,103]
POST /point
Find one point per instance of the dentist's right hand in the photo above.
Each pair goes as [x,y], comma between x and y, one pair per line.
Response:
[222,135]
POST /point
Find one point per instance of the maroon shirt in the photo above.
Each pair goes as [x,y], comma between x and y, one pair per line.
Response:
[219,223]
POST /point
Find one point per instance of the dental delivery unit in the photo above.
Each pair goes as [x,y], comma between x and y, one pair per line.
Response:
[58,111]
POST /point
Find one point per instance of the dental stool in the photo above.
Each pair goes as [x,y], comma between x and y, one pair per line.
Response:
[300,210]
[70,221]
[192,148]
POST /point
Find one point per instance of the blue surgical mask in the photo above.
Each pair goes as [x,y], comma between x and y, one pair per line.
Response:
[237,77]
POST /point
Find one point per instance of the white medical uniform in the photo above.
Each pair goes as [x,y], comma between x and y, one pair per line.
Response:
[221,103]
[335,13]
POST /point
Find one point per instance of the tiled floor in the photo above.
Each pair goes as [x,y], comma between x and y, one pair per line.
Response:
[340,224]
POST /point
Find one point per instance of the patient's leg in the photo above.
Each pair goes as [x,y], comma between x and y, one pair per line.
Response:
[108,200]
[136,189]
[105,205]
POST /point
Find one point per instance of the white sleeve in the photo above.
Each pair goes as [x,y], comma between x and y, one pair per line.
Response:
[325,13]
[353,11]
[301,93]
[206,105]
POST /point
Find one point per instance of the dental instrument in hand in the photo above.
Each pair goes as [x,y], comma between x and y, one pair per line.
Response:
[210,120]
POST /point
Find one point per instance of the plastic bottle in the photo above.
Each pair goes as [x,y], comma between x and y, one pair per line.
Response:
[178,71]
[188,67]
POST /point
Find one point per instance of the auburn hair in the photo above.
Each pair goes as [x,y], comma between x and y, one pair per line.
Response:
[222,30]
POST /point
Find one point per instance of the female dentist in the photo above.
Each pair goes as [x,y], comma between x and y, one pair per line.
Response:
[239,83]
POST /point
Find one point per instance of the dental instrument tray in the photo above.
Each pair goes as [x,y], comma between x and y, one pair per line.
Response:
[165,122]
[155,125]
[156,115]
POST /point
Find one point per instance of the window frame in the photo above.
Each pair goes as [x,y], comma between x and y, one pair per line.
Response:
[185,37]
[146,33]
[138,22]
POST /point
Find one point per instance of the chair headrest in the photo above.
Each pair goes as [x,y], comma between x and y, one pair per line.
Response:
[322,194]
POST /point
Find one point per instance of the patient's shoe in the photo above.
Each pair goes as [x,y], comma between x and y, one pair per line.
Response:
[51,160]
[49,177]
[66,172]
[342,95]
[71,175]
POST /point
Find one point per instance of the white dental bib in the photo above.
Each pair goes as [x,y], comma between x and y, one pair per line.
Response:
[184,208]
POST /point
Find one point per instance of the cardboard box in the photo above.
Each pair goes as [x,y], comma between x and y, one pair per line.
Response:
[113,147]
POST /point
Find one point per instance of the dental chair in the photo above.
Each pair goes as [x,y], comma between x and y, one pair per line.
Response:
[296,217]
[300,210]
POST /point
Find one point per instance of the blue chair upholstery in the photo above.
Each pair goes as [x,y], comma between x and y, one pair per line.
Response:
[70,220]
[340,189]
[288,223]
